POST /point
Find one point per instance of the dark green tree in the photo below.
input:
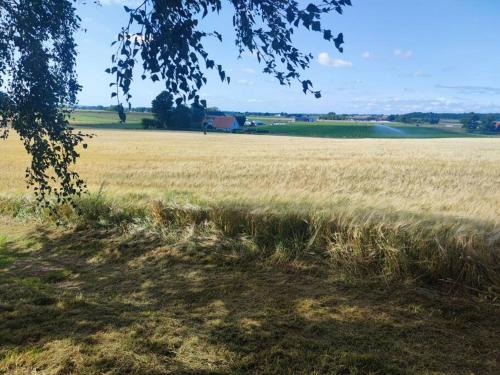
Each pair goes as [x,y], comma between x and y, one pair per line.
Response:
[197,115]
[487,123]
[471,121]
[4,101]
[38,52]
[162,107]
[241,119]
[434,119]
[181,117]
[37,71]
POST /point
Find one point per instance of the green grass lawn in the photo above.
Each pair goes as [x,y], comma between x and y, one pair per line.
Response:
[107,120]
[363,130]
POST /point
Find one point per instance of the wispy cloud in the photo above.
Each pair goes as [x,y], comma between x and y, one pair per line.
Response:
[419,73]
[481,90]
[405,105]
[402,54]
[367,55]
[326,60]
[249,70]
[245,82]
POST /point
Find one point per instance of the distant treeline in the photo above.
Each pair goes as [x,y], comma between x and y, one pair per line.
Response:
[427,116]
[259,114]
[484,122]
[462,116]
[332,116]
[113,108]
[417,117]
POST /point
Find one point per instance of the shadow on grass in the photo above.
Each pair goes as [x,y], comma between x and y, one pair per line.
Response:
[109,301]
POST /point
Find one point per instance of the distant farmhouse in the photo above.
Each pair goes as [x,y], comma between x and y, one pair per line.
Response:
[255,123]
[305,118]
[497,125]
[219,121]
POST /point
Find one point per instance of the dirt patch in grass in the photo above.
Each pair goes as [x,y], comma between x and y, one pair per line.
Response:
[117,301]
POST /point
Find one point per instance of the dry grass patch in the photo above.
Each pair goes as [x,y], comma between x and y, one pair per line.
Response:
[136,302]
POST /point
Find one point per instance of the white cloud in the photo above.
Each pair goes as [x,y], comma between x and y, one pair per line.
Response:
[326,60]
[245,82]
[249,70]
[432,104]
[401,54]
[420,74]
[367,55]
[475,90]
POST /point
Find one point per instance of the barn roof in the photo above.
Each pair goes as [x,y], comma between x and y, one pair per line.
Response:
[223,122]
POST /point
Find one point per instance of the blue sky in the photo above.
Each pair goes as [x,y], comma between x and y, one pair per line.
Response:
[399,56]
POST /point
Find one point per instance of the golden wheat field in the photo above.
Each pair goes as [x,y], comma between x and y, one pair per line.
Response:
[457,178]
[299,255]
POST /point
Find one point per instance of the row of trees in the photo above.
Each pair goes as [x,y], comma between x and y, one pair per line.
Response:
[332,116]
[416,118]
[113,108]
[485,123]
[178,116]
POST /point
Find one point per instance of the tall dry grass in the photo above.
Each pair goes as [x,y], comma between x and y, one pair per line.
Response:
[425,209]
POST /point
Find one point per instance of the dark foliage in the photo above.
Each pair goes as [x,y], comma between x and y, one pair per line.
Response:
[37,70]
[162,107]
[241,119]
[168,116]
[181,117]
[485,123]
[332,116]
[416,118]
[197,115]
[149,123]
[167,37]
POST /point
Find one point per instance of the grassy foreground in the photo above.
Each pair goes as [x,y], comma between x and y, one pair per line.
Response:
[188,300]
